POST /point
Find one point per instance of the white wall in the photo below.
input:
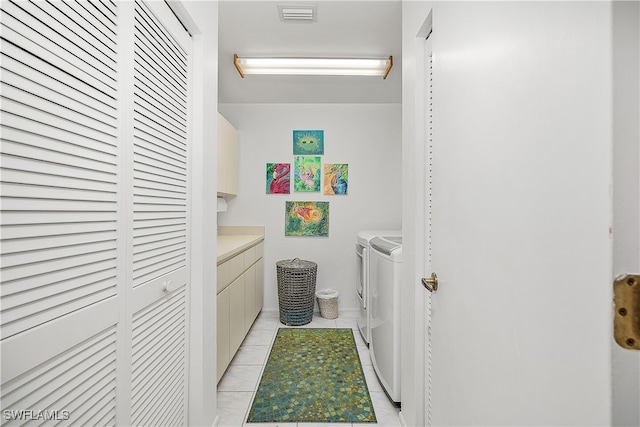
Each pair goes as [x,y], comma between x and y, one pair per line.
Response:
[201,19]
[367,137]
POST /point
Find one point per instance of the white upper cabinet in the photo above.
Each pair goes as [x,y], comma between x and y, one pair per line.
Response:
[227,158]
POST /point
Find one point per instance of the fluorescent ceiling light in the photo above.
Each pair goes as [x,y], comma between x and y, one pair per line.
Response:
[314,66]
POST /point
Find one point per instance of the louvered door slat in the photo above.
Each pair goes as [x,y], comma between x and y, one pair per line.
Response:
[154,99]
[96,410]
[19,298]
[14,230]
[156,160]
[153,53]
[103,8]
[160,82]
[156,351]
[71,36]
[149,385]
[17,75]
[60,140]
[39,45]
[152,143]
[20,157]
[161,156]
[146,131]
[22,190]
[26,271]
[159,115]
[25,280]
[98,28]
[46,74]
[152,30]
[51,115]
[60,381]
[11,219]
[16,254]
[71,378]
[40,179]
[150,171]
[150,85]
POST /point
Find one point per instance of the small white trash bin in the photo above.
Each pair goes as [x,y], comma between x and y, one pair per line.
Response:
[328,303]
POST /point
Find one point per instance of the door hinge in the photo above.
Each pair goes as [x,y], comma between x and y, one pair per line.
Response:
[626,324]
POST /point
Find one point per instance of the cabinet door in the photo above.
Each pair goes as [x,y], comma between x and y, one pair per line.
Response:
[250,297]
[227,157]
[236,314]
[223,342]
[259,285]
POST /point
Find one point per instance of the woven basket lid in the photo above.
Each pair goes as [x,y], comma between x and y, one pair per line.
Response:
[296,263]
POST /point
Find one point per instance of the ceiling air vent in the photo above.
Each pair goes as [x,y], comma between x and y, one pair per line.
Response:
[298,12]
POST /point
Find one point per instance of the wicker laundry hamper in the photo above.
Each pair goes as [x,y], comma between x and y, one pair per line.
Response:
[296,288]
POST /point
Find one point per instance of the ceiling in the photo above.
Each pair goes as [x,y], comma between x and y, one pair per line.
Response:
[343,29]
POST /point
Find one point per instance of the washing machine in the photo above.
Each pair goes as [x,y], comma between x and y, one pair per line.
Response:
[385,267]
[362,277]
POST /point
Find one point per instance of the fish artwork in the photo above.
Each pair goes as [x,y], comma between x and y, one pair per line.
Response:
[307,218]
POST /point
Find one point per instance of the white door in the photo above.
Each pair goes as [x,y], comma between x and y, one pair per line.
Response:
[94,213]
[520,215]
[159,203]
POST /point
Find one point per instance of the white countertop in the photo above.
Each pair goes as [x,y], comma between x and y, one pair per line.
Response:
[233,240]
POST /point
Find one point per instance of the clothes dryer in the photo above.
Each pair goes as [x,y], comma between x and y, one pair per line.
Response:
[385,266]
[362,276]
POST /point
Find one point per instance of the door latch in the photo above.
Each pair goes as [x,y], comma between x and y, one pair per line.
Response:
[431,283]
[626,323]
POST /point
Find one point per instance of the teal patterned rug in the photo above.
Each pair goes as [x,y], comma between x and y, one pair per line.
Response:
[313,375]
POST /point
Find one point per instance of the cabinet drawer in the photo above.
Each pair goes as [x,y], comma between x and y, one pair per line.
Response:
[230,270]
[252,255]
[236,265]
[224,276]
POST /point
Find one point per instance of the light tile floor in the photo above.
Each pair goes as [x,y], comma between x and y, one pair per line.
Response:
[240,382]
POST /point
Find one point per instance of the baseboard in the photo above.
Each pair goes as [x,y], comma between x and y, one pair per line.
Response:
[348,312]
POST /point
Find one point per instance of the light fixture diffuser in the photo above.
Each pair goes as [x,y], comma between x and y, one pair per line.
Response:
[314,66]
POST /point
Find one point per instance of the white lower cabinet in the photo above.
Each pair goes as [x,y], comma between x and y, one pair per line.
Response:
[240,299]
[224,347]
[237,319]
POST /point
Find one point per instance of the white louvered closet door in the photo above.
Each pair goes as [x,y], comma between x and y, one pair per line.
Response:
[60,272]
[94,214]
[160,214]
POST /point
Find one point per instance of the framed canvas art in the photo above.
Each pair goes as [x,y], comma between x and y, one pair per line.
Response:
[336,178]
[308,142]
[307,173]
[278,178]
[306,219]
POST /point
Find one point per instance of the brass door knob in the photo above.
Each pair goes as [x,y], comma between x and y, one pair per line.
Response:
[431,283]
